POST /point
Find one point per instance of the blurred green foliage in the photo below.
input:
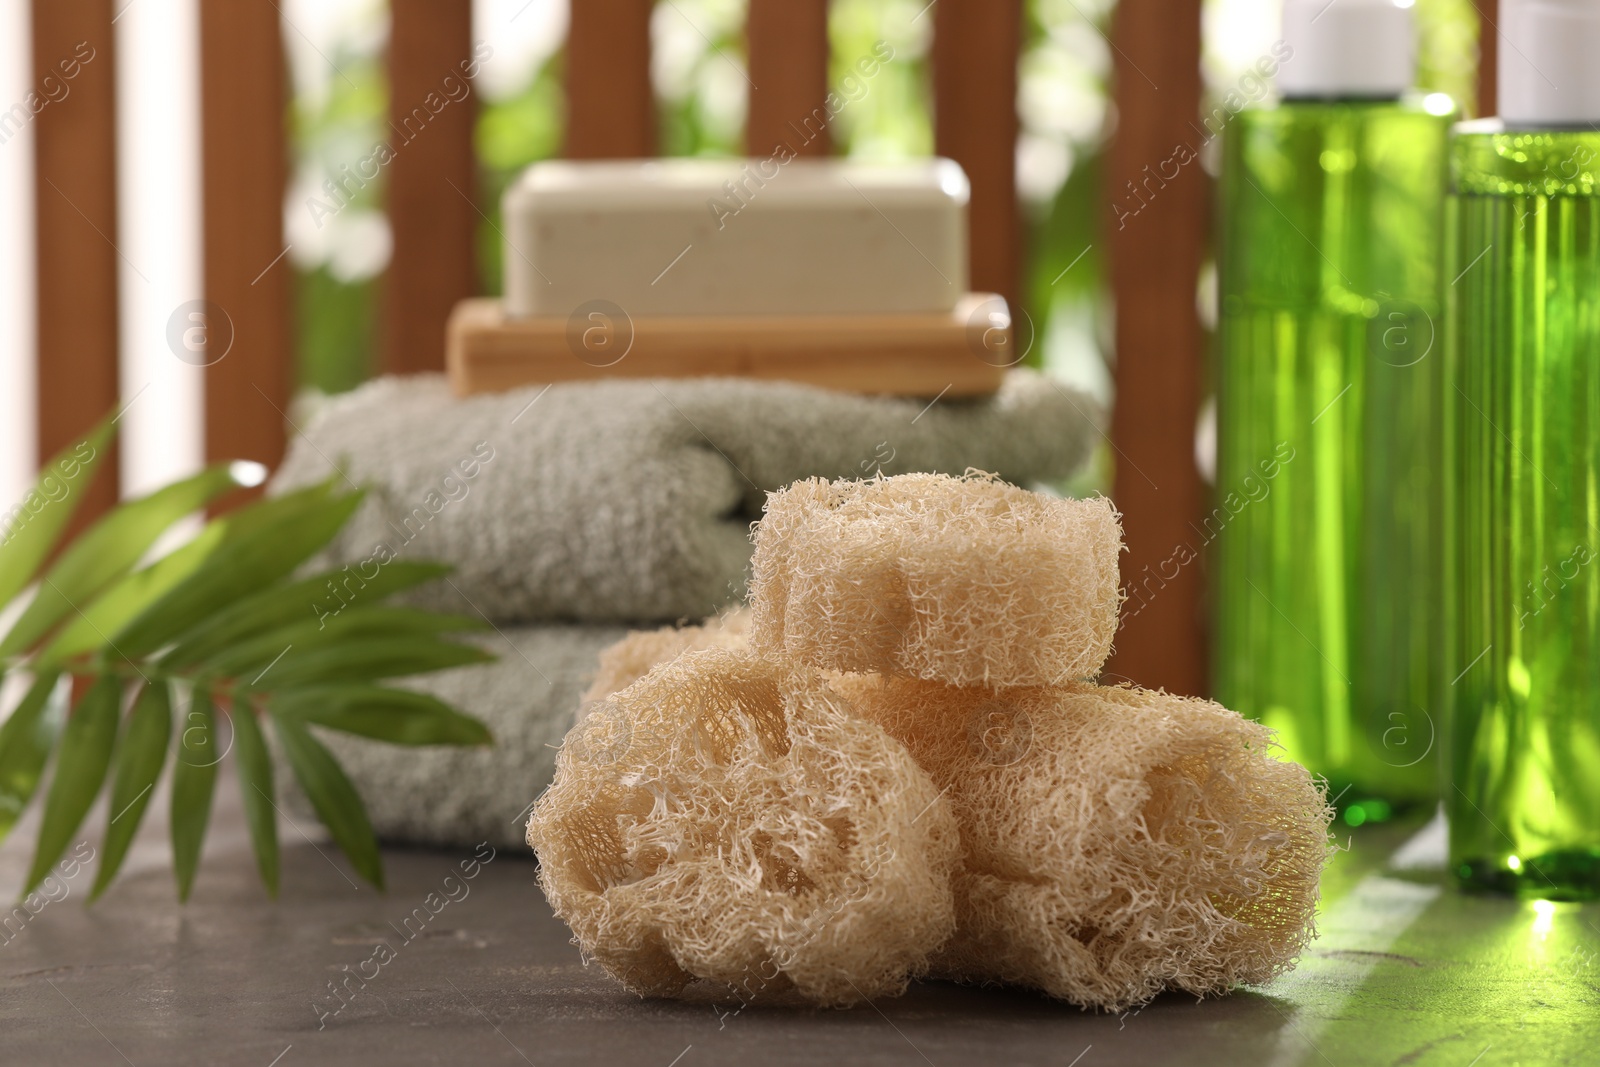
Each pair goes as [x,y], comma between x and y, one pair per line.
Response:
[335,327]
[335,313]
[893,119]
[701,76]
[1447,49]
[511,134]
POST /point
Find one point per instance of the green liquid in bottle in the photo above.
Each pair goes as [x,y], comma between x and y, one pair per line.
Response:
[1523,421]
[1325,533]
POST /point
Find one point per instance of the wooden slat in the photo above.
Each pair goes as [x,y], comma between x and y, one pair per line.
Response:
[1155,259]
[244,169]
[432,179]
[926,355]
[1488,56]
[75,174]
[788,47]
[611,111]
[975,47]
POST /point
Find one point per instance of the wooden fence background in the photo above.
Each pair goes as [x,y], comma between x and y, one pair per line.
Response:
[612,114]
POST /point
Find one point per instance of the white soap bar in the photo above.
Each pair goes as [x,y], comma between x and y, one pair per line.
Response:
[736,237]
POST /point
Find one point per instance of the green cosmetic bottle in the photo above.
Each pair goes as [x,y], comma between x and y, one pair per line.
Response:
[1325,560]
[1523,424]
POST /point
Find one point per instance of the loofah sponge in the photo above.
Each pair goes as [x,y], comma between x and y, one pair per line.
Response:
[1117,841]
[631,658]
[967,581]
[728,818]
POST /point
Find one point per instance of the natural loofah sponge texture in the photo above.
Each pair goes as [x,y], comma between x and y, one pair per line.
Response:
[631,658]
[1117,841]
[967,580]
[730,819]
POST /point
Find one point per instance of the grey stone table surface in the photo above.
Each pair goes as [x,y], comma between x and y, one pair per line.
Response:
[478,971]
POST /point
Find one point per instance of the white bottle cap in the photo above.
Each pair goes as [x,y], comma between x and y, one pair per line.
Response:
[1549,74]
[1347,48]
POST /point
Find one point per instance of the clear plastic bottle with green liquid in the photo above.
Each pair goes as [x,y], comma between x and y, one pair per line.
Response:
[1326,567]
[1523,424]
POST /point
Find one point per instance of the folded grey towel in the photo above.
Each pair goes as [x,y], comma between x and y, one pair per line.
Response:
[632,500]
[460,796]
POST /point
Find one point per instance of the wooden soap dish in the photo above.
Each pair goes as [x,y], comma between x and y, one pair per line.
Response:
[961,353]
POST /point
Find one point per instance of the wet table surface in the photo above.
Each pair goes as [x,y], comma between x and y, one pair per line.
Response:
[1406,972]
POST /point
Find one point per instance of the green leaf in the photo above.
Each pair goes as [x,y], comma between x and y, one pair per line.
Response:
[140,757]
[336,801]
[194,783]
[112,546]
[268,541]
[136,593]
[362,660]
[252,654]
[86,747]
[26,740]
[398,716]
[287,605]
[29,530]
[128,597]
[255,785]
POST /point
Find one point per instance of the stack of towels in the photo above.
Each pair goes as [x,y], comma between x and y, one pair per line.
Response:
[573,513]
